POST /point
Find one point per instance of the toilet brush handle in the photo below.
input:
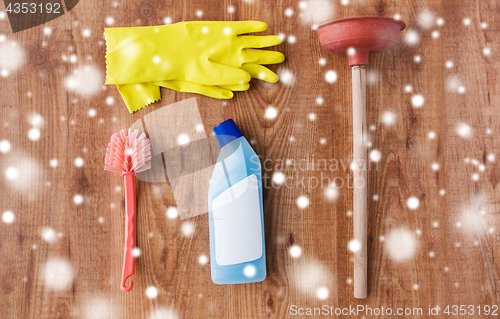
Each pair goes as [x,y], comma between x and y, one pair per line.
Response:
[130,230]
[359,178]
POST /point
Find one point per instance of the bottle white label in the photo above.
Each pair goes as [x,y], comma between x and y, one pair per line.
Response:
[237,223]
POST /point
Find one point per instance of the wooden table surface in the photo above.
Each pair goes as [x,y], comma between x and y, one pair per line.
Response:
[434,220]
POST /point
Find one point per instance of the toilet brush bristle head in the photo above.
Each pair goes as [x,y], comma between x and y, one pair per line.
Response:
[128,151]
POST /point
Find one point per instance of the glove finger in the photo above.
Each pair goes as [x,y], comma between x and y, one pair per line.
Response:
[235,27]
[138,95]
[263,56]
[242,27]
[260,72]
[256,41]
[190,87]
[220,74]
[242,87]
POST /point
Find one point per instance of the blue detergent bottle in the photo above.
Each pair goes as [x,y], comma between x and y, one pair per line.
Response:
[236,220]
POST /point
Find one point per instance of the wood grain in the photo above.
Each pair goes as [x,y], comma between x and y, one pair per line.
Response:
[451,265]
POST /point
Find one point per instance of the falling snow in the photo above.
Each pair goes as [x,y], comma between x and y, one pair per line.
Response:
[413,203]
[110,100]
[79,162]
[4,146]
[331,76]
[295,251]
[354,245]
[187,229]
[322,293]
[12,57]
[136,252]
[464,131]
[12,173]
[388,118]
[35,120]
[98,308]
[183,139]
[48,235]
[203,260]
[163,313]
[8,217]
[78,199]
[110,20]
[426,19]
[271,113]
[417,100]
[151,292]
[375,155]
[302,202]
[34,134]
[85,81]
[57,274]
[401,244]
[412,37]
[250,271]
[172,212]
[278,178]
[286,77]
[86,33]
[315,12]
[331,192]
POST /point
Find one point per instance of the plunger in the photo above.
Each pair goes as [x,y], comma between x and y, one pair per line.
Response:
[358,37]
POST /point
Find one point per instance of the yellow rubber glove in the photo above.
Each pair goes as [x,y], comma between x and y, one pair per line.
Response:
[206,57]
[137,96]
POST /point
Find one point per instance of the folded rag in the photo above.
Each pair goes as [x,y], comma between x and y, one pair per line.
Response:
[212,58]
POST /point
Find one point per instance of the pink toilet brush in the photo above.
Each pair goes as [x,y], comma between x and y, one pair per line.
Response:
[128,153]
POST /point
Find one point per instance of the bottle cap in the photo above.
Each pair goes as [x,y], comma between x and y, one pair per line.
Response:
[227,132]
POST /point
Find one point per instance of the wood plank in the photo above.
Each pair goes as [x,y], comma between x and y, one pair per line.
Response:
[456,246]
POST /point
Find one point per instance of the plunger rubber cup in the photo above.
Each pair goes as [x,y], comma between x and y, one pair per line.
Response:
[358,37]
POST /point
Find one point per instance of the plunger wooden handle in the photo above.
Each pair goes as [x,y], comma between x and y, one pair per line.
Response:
[359,188]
